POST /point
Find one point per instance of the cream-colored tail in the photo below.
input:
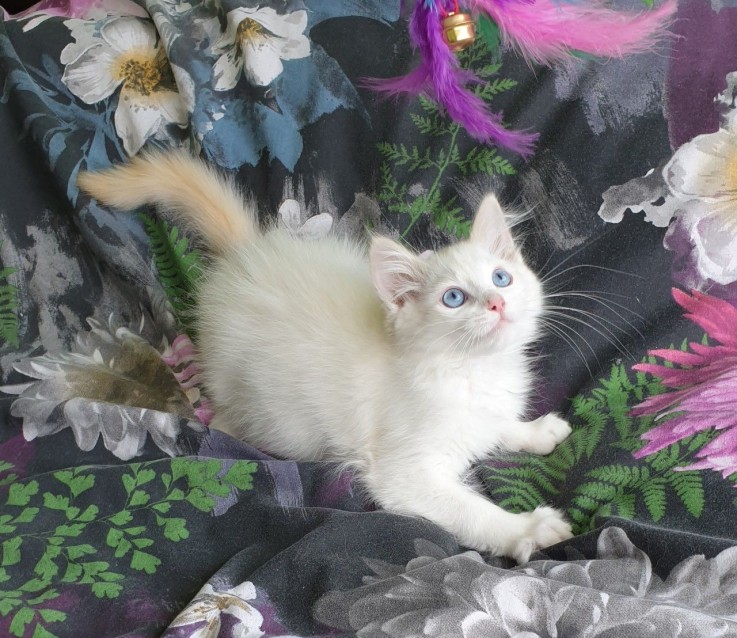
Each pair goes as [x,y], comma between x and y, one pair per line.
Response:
[180,185]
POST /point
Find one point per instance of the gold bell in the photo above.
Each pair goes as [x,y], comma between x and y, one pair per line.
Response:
[458,31]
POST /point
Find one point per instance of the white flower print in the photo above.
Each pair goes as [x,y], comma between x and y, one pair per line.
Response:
[254,44]
[125,53]
[290,217]
[702,175]
[694,195]
[207,609]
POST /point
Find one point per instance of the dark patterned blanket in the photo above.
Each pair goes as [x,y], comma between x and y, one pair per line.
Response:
[121,514]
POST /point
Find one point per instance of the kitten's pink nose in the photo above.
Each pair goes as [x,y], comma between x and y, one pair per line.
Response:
[495,304]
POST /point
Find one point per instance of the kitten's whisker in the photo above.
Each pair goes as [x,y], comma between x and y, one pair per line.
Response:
[610,304]
[466,342]
[607,303]
[561,334]
[564,331]
[558,329]
[454,347]
[613,340]
[596,292]
[478,336]
[545,265]
[595,267]
[600,320]
[461,345]
[444,335]
[578,251]
[562,286]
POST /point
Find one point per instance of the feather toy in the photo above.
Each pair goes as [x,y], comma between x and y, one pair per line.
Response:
[547,31]
[543,31]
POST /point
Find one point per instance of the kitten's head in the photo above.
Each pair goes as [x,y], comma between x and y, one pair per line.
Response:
[472,296]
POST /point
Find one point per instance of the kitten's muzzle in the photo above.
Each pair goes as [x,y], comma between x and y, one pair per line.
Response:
[495,304]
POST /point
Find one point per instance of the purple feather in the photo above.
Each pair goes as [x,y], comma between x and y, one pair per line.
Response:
[441,76]
[542,30]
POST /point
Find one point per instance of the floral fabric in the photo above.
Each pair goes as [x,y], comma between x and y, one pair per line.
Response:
[122,514]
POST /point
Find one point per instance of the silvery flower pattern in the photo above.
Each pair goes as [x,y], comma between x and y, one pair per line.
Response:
[614,594]
[113,385]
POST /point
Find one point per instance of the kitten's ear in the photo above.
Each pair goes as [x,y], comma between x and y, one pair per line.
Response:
[397,273]
[490,228]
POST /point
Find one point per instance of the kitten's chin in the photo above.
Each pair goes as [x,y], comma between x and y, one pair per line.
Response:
[497,326]
[495,331]
[507,331]
[491,335]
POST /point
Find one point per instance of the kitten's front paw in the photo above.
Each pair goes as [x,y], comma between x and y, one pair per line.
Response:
[549,431]
[544,526]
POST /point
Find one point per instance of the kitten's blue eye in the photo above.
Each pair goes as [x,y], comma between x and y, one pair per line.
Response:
[501,278]
[454,298]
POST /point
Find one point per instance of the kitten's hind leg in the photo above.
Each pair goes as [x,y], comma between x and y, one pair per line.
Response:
[474,520]
[539,436]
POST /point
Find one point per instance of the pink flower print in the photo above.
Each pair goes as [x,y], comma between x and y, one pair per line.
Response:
[703,387]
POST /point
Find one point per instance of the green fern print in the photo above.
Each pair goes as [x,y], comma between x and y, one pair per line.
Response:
[8,307]
[648,486]
[448,153]
[179,266]
[74,543]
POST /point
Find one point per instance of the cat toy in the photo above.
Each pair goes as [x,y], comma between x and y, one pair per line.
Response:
[542,31]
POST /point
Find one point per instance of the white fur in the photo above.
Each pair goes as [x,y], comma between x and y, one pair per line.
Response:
[311,351]
[304,360]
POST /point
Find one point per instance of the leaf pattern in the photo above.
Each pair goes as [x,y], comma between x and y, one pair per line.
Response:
[178,266]
[524,482]
[67,541]
[8,308]
[435,163]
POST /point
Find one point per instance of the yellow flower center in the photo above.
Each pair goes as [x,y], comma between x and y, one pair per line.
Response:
[140,73]
[249,30]
[726,208]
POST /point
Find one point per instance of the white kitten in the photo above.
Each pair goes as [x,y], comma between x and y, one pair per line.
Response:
[406,368]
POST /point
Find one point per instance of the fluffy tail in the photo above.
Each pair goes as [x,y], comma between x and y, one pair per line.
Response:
[207,202]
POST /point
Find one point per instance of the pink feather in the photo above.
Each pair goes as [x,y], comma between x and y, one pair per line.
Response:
[547,31]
